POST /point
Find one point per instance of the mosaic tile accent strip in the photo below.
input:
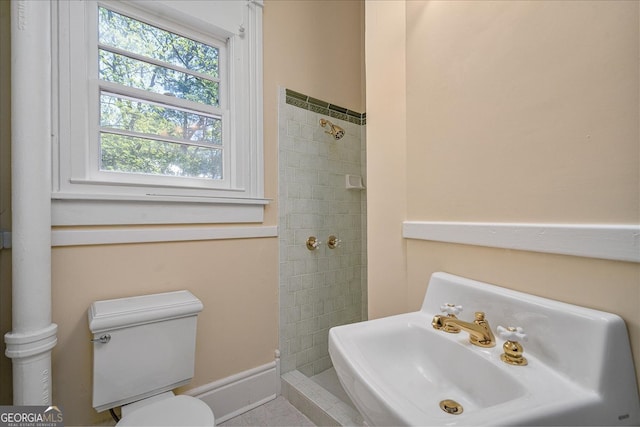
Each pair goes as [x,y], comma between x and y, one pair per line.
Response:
[322,107]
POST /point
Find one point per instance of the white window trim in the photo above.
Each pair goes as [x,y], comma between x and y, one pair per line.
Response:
[80,198]
[78,236]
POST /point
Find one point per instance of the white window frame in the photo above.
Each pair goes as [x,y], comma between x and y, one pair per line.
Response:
[83,195]
[96,87]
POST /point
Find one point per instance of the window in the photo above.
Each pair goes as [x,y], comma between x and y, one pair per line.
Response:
[159,101]
[159,112]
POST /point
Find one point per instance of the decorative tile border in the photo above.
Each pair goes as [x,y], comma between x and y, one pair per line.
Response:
[322,107]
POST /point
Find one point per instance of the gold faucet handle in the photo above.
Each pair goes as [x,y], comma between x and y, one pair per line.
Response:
[512,348]
[451,309]
[313,243]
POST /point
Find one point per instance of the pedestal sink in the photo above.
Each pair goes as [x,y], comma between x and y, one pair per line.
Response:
[399,370]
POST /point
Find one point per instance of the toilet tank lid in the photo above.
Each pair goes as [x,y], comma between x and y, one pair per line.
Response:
[125,312]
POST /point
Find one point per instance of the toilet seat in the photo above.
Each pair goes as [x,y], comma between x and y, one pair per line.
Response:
[174,411]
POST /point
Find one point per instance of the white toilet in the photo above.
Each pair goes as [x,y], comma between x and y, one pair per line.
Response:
[144,347]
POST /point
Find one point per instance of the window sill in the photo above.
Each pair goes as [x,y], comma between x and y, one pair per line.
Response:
[82,209]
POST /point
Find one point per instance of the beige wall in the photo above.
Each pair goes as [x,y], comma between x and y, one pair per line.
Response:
[523,111]
[386,157]
[516,112]
[314,47]
[235,279]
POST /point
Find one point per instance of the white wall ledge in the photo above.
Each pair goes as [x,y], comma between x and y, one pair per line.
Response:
[80,237]
[154,210]
[619,242]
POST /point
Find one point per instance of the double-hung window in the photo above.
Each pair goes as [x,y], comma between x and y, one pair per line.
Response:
[160,108]
[158,115]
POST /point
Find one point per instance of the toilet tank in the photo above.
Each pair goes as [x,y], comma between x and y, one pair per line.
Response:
[142,346]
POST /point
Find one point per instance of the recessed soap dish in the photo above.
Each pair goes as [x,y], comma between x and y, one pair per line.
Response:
[354,182]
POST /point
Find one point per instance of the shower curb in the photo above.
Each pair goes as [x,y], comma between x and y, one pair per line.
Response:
[319,405]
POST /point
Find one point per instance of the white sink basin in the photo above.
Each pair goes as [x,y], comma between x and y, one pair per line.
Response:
[398,369]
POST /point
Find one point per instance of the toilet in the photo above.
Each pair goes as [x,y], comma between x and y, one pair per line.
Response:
[143,348]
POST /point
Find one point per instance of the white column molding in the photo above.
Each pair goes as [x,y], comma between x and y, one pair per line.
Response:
[33,335]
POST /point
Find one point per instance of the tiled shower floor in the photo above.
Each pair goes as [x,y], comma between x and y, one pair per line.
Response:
[321,397]
[278,412]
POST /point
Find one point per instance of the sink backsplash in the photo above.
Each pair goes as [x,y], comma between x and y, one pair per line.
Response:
[568,338]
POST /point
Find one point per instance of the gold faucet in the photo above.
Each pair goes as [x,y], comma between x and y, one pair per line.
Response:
[479,331]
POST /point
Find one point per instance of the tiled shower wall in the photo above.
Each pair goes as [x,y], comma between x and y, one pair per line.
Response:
[326,287]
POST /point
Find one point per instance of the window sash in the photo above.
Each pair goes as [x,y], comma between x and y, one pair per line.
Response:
[93,164]
[100,86]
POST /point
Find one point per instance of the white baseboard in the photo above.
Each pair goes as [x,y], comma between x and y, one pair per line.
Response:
[239,393]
